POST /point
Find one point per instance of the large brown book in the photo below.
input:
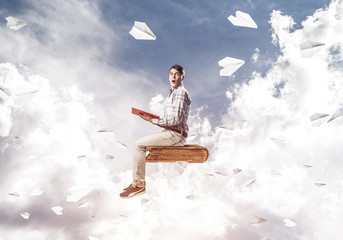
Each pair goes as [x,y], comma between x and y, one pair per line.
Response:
[187,153]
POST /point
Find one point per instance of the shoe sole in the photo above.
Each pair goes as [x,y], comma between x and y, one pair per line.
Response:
[133,195]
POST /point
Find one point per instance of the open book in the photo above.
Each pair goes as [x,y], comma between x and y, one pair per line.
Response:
[138,111]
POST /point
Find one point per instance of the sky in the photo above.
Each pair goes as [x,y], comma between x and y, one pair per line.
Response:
[69,78]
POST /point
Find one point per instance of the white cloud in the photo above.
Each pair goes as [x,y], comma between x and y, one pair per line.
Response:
[255,56]
[275,107]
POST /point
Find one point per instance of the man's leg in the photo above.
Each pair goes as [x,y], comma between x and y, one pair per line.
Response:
[165,138]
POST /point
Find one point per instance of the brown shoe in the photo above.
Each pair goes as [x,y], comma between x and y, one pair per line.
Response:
[132,191]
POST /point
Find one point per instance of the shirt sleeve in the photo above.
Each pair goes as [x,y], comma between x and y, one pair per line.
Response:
[178,108]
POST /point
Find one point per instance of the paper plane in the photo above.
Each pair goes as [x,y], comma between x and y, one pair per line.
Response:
[78,192]
[190,197]
[226,127]
[4,94]
[258,222]
[20,95]
[338,113]
[14,194]
[289,223]
[105,130]
[84,203]
[249,185]
[15,23]
[109,157]
[230,65]
[310,48]
[46,128]
[318,118]
[141,31]
[36,192]
[58,210]
[25,215]
[320,184]
[236,170]
[242,20]
[307,166]
[221,173]
[145,200]
[121,145]
[191,136]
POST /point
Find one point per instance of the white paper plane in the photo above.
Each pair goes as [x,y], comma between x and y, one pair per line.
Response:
[58,210]
[15,23]
[338,113]
[191,137]
[289,223]
[318,119]
[25,215]
[109,157]
[4,93]
[230,65]
[258,222]
[84,203]
[320,184]
[236,170]
[121,145]
[14,194]
[105,130]
[281,142]
[249,185]
[307,166]
[78,192]
[141,31]
[19,95]
[310,48]
[317,116]
[36,192]
[242,20]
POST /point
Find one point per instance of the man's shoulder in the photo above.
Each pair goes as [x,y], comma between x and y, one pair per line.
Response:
[181,90]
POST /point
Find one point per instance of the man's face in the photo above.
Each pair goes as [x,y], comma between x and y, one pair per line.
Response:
[175,78]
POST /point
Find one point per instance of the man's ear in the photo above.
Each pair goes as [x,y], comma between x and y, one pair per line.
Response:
[182,77]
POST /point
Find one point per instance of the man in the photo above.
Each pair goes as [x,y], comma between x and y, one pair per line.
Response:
[174,122]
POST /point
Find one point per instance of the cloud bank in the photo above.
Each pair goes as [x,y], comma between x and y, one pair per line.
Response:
[268,166]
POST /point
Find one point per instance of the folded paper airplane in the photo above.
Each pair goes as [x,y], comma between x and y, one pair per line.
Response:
[138,111]
[230,65]
[141,31]
[15,23]
[310,48]
[242,20]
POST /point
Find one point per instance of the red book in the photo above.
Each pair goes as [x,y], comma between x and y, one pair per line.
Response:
[138,111]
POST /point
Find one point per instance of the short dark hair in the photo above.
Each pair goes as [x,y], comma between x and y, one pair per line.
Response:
[179,68]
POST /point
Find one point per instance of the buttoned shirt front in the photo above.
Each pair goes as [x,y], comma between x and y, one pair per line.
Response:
[176,110]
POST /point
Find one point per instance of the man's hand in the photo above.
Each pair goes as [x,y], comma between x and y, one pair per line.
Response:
[146,117]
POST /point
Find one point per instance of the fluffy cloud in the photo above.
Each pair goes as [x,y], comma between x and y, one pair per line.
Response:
[267,162]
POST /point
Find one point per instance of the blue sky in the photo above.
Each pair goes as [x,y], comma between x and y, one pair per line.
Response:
[82,72]
[197,35]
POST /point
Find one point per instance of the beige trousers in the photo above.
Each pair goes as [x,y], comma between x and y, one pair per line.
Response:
[164,138]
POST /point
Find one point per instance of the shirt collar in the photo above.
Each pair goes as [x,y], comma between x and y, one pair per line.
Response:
[172,89]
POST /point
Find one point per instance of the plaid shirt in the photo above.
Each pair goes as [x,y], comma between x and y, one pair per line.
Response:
[176,110]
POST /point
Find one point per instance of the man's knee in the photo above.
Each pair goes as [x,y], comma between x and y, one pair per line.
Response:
[138,146]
